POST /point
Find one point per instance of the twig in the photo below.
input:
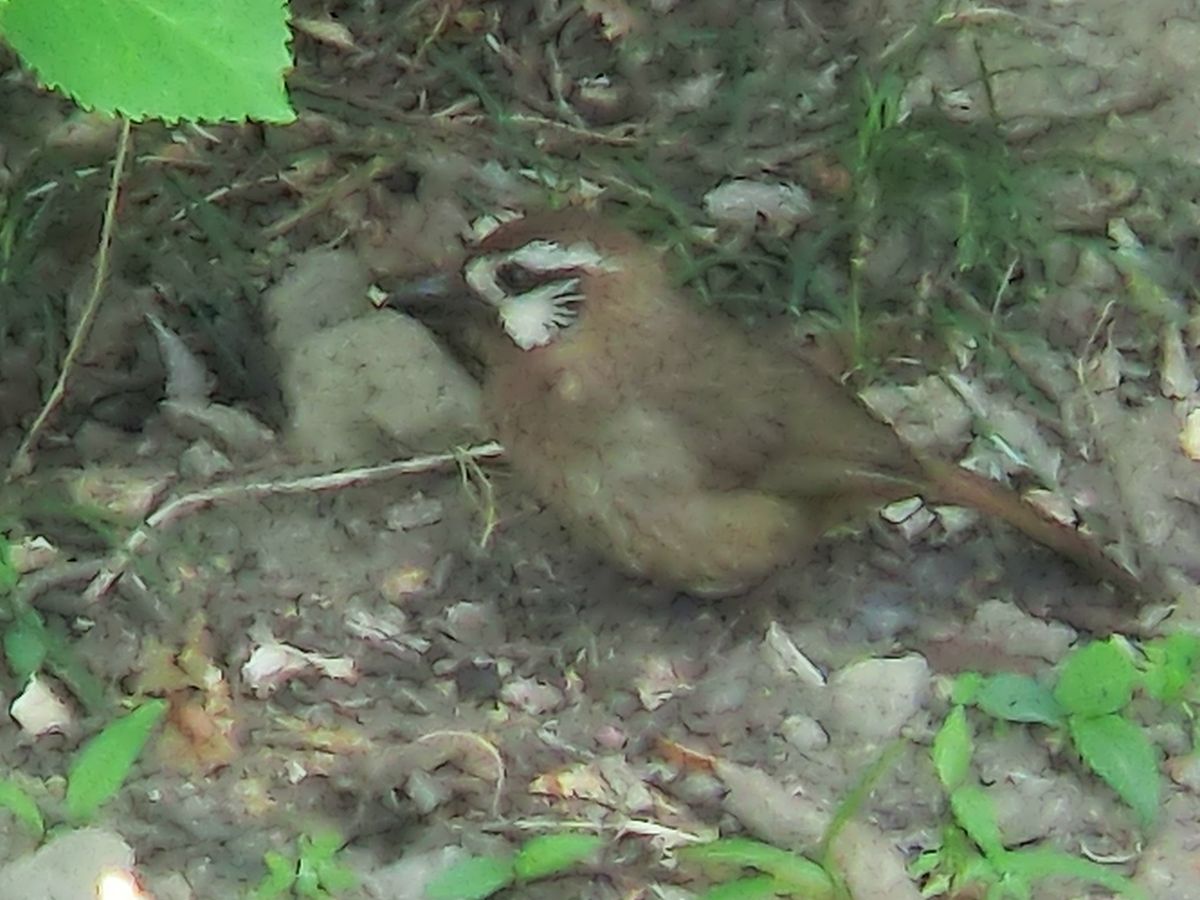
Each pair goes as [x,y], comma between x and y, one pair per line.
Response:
[179,507]
[22,461]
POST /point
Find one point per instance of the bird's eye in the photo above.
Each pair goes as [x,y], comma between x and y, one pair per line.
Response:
[516,279]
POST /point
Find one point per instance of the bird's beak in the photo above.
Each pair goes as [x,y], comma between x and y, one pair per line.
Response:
[454,313]
[435,294]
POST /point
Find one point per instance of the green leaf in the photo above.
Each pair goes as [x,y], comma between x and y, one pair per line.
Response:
[756,887]
[472,879]
[1096,680]
[551,854]
[1119,752]
[1170,666]
[926,862]
[321,846]
[795,873]
[965,687]
[281,875]
[25,645]
[23,807]
[336,877]
[103,764]
[1036,863]
[308,879]
[952,749]
[1011,886]
[974,813]
[1019,698]
[68,667]
[9,576]
[215,60]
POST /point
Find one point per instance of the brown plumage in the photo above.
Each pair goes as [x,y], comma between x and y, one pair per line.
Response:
[687,450]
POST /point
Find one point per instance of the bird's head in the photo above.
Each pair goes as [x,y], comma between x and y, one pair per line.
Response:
[547,273]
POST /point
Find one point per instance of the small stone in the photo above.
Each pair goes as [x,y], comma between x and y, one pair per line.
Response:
[33,554]
[1189,437]
[203,462]
[532,696]
[745,203]
[40,710]
[417,512]
[804,733]
[873,699]
[1177,380]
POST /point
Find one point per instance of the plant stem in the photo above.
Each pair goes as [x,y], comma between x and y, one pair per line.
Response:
[22,461]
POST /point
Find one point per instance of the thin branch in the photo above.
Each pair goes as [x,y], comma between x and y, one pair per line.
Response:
[180,507]
[22,461]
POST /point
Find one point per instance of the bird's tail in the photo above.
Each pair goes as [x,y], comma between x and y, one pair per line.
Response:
[961,487]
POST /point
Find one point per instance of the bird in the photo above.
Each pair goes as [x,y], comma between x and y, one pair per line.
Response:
[686,449]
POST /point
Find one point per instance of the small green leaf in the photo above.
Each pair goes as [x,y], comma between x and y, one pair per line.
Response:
[104,762]
[281,875]
[1119,752]
[551,854]
[756,887]
[1036,863]
[472,879]
[9,576]
[925,863]
[1019,698]
[965,687]
[23,807]
[952,749]
[336,877]
[1011,886]
[795,873]
[25,643]
[974,812]
[308,879]
[1170,666]
[323,845]
[1096,680]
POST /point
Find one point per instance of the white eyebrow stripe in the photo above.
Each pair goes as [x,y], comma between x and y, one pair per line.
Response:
[544,256]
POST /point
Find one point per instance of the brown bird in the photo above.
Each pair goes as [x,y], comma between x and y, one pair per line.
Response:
[687,450]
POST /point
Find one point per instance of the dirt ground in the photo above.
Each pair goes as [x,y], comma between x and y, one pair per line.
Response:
[420,658]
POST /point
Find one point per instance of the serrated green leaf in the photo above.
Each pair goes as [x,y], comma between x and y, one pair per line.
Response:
[1119,752]
[1018,698]
[797,874]
[1035,863]
[1096,680]
[952,749]
[756,887]
[23,807]
[550,854]
[975,814]
[472,879]
[209,60]
[104,762]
